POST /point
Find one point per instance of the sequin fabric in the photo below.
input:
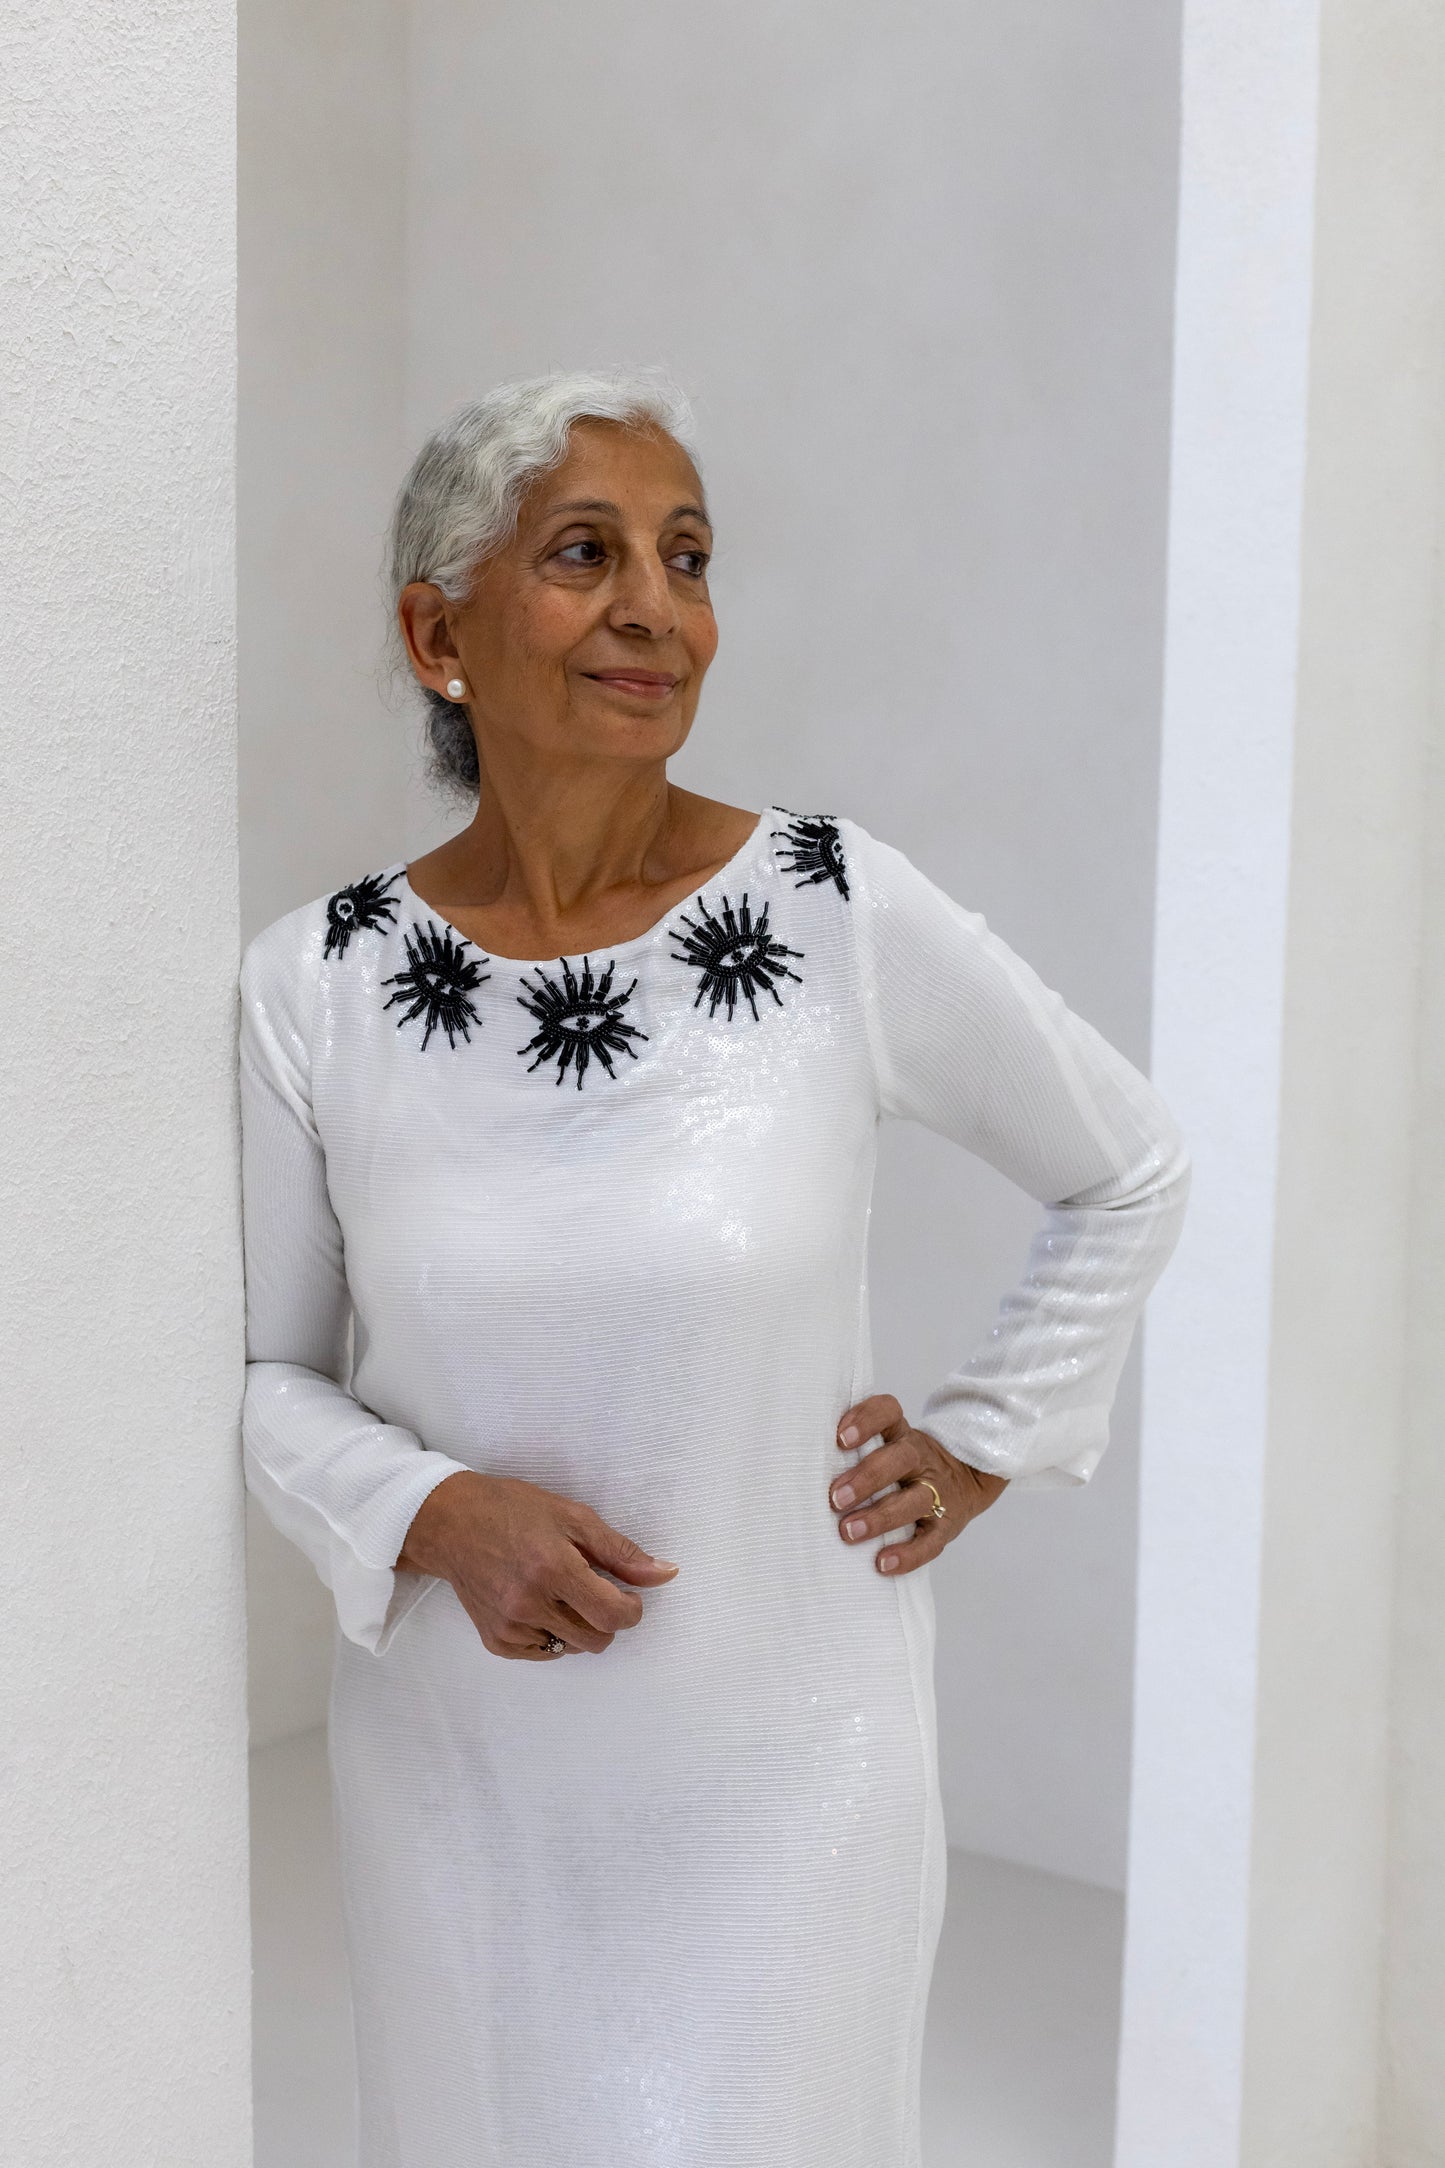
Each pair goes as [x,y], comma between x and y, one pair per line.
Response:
[676,1905]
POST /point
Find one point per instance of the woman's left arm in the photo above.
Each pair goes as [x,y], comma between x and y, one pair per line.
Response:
[967,1040]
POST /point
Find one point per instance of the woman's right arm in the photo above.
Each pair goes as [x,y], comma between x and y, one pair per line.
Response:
[344,1486]
[354,1493]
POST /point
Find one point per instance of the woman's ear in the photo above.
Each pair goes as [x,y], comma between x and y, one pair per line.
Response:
[422,614]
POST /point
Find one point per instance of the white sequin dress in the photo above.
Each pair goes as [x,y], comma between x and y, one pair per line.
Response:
[601,1225]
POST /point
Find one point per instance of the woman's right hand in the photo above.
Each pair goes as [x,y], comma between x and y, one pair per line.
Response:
[522,1560]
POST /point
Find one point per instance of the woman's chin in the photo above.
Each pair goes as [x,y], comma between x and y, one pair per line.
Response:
[617,724]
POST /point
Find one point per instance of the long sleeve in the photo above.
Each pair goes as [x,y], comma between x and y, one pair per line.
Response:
[342,1485]
[968,1041]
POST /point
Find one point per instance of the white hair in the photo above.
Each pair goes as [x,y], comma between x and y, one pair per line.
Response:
[460,499]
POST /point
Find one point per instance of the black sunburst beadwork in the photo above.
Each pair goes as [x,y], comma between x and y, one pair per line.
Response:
[362,907]
[816,850]
[734,954]
[580,1019]
[438,983]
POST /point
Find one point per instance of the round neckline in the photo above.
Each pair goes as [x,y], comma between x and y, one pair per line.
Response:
[728,870]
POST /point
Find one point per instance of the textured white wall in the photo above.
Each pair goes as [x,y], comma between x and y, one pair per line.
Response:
[916,267]
[324,760]
[123,1998]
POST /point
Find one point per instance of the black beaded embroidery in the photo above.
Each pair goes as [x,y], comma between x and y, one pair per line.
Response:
[363,906]
[438,983]
[816,850]
[734,954]
[579,1018]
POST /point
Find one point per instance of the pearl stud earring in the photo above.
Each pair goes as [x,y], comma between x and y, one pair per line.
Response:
[456,687]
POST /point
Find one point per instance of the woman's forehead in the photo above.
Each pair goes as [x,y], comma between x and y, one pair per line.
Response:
[609,467]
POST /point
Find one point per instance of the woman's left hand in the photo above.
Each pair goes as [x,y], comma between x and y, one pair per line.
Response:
[906,1457]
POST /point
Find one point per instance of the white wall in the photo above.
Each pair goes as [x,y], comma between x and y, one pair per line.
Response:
[916,268]
[123,1998]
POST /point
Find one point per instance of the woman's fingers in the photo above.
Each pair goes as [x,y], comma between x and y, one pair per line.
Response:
[607,1547]
[522,1652]
[900,1509]
[886,1464]
[558,1602]
[908,1557]
[525,1562]
[596,1600]
[569,1626]
[501,1638]
[902,1475]
[536,1599]
[879,1416]
[525,1639]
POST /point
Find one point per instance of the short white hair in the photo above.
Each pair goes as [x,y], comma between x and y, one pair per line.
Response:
[462,492]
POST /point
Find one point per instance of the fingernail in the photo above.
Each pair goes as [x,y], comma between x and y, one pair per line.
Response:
[844,1495]
[887,1562]
[671,1564]
[848,1435]
[854,1529]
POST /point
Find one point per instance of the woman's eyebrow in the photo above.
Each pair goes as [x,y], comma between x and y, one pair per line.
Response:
[586,504]
[614,511]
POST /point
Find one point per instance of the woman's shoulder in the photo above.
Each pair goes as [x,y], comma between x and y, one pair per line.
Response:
[287,957]
[895,906]
[836,848]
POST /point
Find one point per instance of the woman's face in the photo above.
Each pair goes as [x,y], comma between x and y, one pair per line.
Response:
[589,634]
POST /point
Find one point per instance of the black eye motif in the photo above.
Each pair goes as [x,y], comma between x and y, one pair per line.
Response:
[579,1018]
[817,850]
[362,907]
[438,983]
[734,954]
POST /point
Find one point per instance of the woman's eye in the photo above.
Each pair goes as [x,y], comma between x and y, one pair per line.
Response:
[568,557]
[693,561]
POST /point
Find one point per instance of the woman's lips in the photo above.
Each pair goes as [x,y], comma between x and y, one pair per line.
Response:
[650,684]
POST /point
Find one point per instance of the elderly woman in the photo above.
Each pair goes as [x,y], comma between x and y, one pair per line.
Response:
[571,1122]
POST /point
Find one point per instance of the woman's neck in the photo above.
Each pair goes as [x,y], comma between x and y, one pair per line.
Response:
[562,863]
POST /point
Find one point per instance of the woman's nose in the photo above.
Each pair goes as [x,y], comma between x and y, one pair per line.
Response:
[644,600]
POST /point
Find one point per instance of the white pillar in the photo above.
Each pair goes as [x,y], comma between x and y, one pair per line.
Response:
[1305,504]
[124,1984]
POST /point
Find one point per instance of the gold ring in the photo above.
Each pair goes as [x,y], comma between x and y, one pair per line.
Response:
[938,1508]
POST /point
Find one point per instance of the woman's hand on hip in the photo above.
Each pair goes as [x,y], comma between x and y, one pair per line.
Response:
[522,1561]
[912,1459]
